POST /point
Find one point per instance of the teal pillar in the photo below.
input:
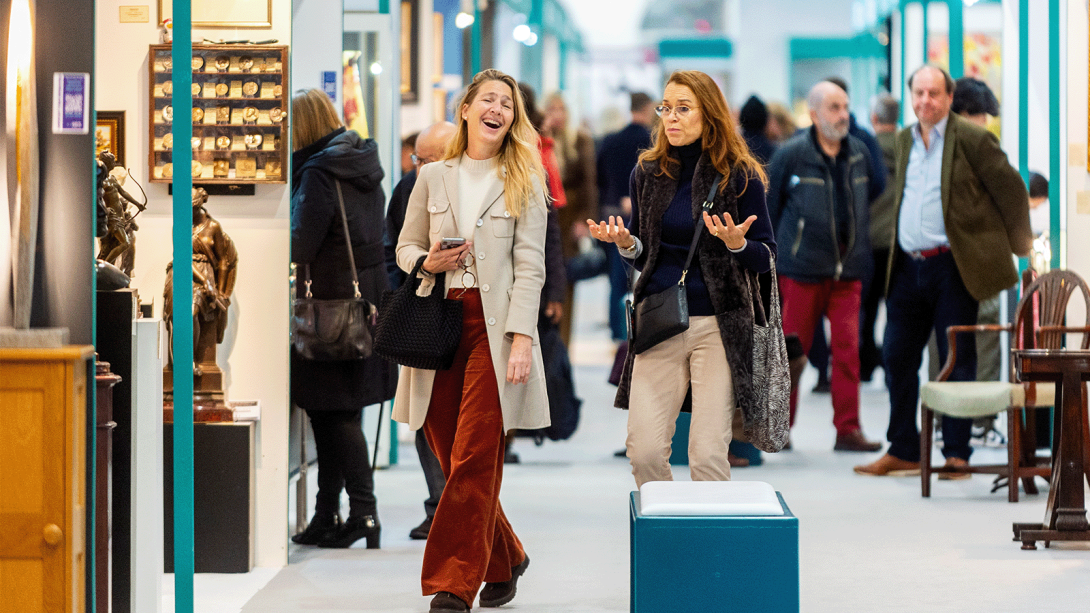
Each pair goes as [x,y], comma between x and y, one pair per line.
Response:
[563,66]
[182,130]
[957,38]
[384,7]
[533,57]
[1023,89]
[924,5]
[1055,141]
[475,41]
[904,77]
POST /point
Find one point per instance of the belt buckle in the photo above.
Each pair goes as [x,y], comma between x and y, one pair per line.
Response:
[917,255]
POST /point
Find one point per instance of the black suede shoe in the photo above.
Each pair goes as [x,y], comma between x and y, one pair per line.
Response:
[420,533]
[320,528]
[503,592]
[445,602]
[354,529]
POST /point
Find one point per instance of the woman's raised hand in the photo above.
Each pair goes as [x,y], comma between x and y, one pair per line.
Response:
[442,260]
[612,231]
[733,236]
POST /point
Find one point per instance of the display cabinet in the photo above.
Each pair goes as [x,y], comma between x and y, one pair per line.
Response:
[240,102]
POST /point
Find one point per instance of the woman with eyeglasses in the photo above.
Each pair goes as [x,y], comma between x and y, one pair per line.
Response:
[488,191]
[694,145]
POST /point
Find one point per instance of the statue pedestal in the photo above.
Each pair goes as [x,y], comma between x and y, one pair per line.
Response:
[209,400]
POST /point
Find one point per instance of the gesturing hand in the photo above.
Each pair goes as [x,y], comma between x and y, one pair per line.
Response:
[612,231]
[442,260]
[734,237]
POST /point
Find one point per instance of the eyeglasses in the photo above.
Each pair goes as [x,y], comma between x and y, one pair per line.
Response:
[466,265]
[682,111]
[419,161]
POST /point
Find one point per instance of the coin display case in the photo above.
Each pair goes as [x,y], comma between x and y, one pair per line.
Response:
[240,102]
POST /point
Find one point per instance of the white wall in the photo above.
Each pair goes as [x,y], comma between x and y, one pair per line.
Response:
[316,44]
[254,355]
[421,114]
[1077,190]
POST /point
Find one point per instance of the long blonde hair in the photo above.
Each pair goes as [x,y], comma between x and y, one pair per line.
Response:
[519,155]
[720,139]
[312,117]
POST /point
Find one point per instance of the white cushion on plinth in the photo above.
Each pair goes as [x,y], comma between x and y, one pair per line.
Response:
[702,498]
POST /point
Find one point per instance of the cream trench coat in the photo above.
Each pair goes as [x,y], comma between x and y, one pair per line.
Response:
[510,273]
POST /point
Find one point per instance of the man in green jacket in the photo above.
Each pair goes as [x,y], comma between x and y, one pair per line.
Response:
[962,210]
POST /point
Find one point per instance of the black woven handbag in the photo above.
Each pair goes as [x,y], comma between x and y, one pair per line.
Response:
[419,331]
[338,329]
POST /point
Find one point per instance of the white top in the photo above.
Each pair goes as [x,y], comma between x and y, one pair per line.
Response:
[709,498]
[475,179]
[1040,218]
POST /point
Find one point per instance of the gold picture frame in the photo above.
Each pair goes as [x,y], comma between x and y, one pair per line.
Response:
[214,14]
[110,134]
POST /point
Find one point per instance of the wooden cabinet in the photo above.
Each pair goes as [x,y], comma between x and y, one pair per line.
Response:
[43,461]
[240,112]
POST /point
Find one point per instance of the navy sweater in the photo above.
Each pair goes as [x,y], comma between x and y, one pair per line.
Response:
[677,233]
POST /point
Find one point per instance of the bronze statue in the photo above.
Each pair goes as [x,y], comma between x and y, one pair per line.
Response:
[118,240]
[214,264]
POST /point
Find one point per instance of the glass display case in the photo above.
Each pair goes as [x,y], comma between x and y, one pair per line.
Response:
[240,103]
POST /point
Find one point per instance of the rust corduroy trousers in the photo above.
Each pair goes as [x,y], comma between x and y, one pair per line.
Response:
[471,541]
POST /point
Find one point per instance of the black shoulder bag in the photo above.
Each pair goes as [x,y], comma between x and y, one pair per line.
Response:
[666,314]
[338,329]
[419,331]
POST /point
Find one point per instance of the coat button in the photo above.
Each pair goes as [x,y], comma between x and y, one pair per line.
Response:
[491,321]
[480,222]
[432,209]
[506,214]
[480,256]
[484,288]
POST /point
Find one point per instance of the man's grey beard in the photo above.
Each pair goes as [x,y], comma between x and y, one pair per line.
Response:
[830,131]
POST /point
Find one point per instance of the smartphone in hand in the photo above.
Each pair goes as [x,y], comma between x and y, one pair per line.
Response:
[451,243]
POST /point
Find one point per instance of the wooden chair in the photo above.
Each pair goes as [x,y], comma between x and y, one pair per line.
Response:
[1039,323]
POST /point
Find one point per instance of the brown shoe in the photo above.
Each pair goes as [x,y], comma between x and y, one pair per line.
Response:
[445,602]
[952,470]
[889,466]
[737,461]
[855,441]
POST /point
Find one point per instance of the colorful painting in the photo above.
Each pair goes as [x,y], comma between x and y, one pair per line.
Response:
[983,61]
[110,134]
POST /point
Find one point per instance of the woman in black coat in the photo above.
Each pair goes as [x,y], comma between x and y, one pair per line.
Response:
[334,393]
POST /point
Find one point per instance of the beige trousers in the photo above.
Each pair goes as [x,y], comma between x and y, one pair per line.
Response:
[660,379]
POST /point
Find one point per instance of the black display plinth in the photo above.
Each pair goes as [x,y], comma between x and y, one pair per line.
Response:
[113,342]
[223,514]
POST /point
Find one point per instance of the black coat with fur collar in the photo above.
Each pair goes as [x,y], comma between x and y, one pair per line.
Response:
[726,278]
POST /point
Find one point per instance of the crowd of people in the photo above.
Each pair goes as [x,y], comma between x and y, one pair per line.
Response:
[924,220]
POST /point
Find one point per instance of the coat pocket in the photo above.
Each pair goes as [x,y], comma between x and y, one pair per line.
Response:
[503,225]
[437,210]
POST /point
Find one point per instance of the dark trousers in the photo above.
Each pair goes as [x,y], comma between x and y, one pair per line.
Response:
[618,288]
[874,288]
[471,540]
[924,296]
[342,463]
[433,473]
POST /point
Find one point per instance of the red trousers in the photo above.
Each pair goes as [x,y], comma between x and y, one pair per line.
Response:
[803,306]
[471,540]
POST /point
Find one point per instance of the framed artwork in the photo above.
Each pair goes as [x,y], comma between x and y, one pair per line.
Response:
[410,50]
[219,14]
[110,134]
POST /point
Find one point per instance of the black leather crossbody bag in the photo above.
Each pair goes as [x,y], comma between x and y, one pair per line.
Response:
[666,314]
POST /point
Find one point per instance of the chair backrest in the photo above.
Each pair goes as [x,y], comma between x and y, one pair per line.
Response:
[1041,315]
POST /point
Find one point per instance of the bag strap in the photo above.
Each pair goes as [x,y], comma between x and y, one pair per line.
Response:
[707,206]
[347,242]
[759,317]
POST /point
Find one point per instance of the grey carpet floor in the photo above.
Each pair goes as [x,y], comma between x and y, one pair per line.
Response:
[866,544]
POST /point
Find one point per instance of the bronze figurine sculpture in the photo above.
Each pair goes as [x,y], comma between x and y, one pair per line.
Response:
[214,262]
[118,243]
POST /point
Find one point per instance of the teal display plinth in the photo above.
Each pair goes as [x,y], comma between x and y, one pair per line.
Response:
[727,564]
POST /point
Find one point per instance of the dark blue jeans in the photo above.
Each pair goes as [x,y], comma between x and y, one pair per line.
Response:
[924,296]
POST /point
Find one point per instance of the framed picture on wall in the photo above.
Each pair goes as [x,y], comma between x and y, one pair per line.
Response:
[410,50]
[219,14]
[110,134]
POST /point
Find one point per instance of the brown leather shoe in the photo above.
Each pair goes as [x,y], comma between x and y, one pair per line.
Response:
[445,602]
[737,461]
[855,441]
[889,466]
[952,468]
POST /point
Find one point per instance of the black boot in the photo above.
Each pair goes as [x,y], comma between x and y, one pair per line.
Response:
[420,533]
[502,592]
[445,602]
[364,526]
[320,528]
